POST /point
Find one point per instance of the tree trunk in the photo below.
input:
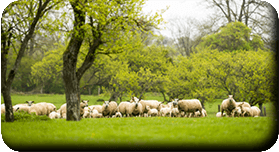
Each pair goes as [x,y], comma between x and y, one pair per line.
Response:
[71,81]
[261,108]
[8,104]
[99,90]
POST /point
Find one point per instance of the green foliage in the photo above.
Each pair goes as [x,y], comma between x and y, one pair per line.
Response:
[234,36]
[23,116]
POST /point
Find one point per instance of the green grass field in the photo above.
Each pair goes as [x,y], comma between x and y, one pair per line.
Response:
[156,133]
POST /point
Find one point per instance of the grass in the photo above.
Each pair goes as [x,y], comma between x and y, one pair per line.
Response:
[156,133]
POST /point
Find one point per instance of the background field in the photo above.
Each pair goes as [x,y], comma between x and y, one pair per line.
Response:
[162,133]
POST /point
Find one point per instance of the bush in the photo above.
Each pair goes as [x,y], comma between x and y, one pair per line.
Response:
[25,116]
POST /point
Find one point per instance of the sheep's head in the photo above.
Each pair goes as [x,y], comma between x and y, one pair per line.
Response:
[85,102]
[175,101]
[106,103]
[136,103]
[30,103]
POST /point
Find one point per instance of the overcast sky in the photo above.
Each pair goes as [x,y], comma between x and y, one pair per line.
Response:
[177,9]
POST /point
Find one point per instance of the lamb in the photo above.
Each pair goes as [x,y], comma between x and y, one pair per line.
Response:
[228,105]
[152,112]
[237,112]
[109,108]
[87,112]
[54,115]
[190,106]
[255,111]
[23,108]
[203,114]
[123,108]
[174,112]
[166,111]
[245,110]
[95,113]
[3,108]
[135,109]
[63,110]
[117,114]
[218,114]
[42,108]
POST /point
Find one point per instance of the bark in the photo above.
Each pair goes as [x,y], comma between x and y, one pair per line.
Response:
[70,56]
[261,108]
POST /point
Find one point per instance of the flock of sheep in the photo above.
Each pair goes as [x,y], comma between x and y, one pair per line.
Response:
[140,108]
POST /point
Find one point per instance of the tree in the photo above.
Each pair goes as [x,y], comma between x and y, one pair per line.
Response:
[255,14]
[109,24]
[19,21]
[234,36]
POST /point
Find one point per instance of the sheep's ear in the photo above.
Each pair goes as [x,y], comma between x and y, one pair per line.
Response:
[33,101]
[26,101]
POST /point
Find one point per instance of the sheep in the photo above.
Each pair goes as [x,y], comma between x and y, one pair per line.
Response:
[109,108]
[29,103]
[63,110]
[118,114]
[255,111]
[54,115]
[23,108]
[135,109]
[237,112]
[97,107]
[166,111]
[85,102]
[153,104]
[123,108]
[198,114]
[87,112]
[246,104]
[218,114]
[228,105]
[152,112]
[95,113]
[245,110]
[2,108]
[42,108]
[190,106]
[174,112]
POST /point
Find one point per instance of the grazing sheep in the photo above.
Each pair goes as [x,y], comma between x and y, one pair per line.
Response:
[190,106]
[63,110]
[109,108]
[135,109]
[123,108]
[218,114]
[54,115]
[152,112]
[23,108]
[228,105]
[255,111]
[245,111]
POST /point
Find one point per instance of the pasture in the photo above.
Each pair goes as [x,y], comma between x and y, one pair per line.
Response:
[163,133]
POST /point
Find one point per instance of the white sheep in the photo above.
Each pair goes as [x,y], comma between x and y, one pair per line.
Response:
[96,114]
[41,108]
[109,108]
[175,112]
[218,114]
[246,104]
[237,112]
[22,108]
[190,106]
[198,114]
[118,114]
[255,111]
[85,102]
[123,108]
[54,115]
[63,110]
[166,111]
[87,112]
[228,105]
[3,108]
[245,111]
[97,107]
[152,112]
[135,109]
[153,104]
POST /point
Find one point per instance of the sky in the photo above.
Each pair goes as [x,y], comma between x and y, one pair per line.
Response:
[177,9]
